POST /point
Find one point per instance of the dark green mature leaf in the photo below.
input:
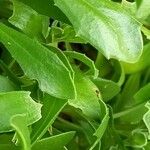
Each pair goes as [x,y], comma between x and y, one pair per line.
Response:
[18,102]
[106,26]
[52,75]
[6,85]
[46,8]
[6,142]
[19,123]
[50,110]
[29,21]
[56,142]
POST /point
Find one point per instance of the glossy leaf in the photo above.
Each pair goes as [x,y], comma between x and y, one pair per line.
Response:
[18,102]
[50,110]
[47,68]
[56,142]
[29,21]
[106,26]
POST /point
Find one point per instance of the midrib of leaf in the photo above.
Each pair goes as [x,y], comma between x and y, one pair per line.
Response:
[40,62]
[28,53]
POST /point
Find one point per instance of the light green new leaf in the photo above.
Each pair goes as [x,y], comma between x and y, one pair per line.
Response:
[19,123]
[6,85]
[83,58]
[50,110]
[50,72]
[29,21]
[56,142]
[106,26]
[17,102]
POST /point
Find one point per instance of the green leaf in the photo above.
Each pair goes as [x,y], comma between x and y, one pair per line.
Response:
[135,113]
[52,75]
[142,63]
[106,26]
[29,21]
[50,110]
[143,7]
[87,96]
[62,57]
[146,118]
[131,86]
[108,89]
[47,8]
[103,125]
[56,142]
[17,102]
[138,139]
[65,34]
[146,32]
[19,123]
[6,85]
[83,58]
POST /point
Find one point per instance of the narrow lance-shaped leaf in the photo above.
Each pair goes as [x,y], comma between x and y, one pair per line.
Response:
[6,85]
[50,110]
[106,26]
[56,142]
[50,72]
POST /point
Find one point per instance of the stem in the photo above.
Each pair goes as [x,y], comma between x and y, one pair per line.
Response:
[67,125]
